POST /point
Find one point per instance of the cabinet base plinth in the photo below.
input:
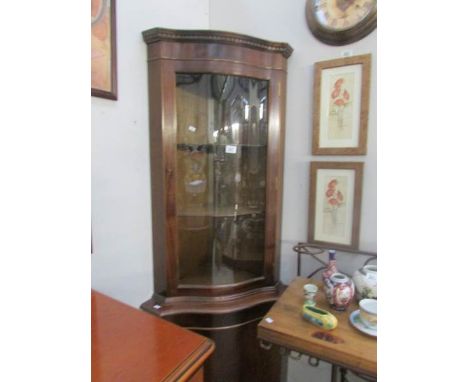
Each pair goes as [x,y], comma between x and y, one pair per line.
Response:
[231,322]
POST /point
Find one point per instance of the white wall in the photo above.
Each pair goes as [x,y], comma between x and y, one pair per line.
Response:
[121,218]
[122,259]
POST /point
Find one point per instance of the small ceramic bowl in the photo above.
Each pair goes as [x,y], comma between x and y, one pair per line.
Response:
[310,290]
[368,312]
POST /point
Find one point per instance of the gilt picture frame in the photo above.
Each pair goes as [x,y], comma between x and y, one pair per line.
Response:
[341,106]
[103,49]
[335,204]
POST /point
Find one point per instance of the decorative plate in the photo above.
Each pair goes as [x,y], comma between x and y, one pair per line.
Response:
[357,323]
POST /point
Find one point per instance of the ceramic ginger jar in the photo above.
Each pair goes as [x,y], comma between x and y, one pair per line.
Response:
[339,290]
[365,281]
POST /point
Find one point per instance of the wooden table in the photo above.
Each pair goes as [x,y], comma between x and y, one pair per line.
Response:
[129,345]
[343,346]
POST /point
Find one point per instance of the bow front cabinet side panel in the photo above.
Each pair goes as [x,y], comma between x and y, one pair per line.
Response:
[217,111]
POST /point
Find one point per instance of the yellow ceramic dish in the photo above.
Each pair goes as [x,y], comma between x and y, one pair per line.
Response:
[319,317]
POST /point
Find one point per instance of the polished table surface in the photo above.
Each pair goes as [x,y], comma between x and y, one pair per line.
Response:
[131,345]
[344,346]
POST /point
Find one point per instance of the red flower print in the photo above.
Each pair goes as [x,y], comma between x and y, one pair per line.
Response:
[339,82]
[340,97]
[334,196]
[339,102]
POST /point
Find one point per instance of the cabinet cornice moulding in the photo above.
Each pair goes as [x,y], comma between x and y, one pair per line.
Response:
[219,37]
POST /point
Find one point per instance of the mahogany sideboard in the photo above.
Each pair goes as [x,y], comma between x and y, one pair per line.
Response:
[131,345]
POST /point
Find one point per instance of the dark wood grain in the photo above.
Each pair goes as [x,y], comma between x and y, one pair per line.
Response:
[218,37]
[231,323]
[243,360]
[166,56]
[130,345]
[212,305]
[232,327]
[226,313]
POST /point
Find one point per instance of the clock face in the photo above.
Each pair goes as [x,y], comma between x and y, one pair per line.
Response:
[338,22]
[342,14]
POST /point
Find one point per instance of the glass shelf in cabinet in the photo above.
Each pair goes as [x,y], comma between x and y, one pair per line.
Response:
[211,147]
[219,211]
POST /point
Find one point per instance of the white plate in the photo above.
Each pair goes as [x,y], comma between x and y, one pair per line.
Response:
[357,323]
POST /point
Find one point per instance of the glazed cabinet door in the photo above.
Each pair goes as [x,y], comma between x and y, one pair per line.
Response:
[217,132]
[221,169]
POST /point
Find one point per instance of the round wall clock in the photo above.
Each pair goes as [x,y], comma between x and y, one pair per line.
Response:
[340,22]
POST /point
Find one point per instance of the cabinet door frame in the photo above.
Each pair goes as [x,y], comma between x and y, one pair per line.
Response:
[163,126]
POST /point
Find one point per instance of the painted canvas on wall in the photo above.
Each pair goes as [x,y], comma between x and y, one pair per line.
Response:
[103,50]
[335,199]
[341,98]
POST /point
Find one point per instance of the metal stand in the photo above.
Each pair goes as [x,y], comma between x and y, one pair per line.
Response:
[336,371]
[313,251]
[294,355]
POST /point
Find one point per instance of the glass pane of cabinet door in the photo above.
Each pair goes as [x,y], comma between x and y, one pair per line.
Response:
[222,132]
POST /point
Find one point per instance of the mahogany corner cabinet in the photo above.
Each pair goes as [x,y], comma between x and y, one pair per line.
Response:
[217,112]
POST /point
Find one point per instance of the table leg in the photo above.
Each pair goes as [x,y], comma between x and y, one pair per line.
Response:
[343,372]
[298,264]
[334,373]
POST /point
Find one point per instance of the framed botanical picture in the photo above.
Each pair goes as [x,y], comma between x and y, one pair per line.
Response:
[103,49]
[341,106]
[335,204]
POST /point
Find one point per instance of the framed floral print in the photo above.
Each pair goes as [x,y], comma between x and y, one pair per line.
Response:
[341,106]
[335,204]
[103,49]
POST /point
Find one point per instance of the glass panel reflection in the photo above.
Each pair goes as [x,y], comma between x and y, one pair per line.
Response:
[222,132]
